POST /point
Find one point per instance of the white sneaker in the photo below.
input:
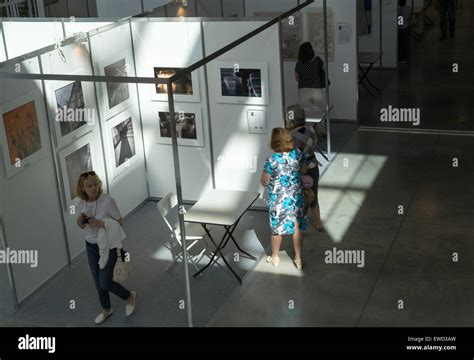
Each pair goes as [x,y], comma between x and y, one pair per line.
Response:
[129,309]
[101,317]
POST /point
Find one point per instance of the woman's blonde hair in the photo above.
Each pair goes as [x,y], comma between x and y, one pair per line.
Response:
[80,193]
[281,141]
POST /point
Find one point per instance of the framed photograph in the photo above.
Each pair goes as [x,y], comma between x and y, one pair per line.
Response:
[291,32]
[115,97]
[315,31]
[72,109]
[122,143]
[76,159]
[23,131]
[189,127]
[184,90]
[242,82]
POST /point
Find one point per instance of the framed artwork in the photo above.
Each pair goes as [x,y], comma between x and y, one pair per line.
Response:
[189,127]
[315,27]
[291,33]
[115,97]
[72,108]
[242,82]
[76,159]
[23,131]
[185,89]
[122,142]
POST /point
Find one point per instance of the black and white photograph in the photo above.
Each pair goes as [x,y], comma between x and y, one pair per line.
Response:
[69,99]
[77,163]
[241,82]
[183,86]
[117,92]
[123,141]
[185,125]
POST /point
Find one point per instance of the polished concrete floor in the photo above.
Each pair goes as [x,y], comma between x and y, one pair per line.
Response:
[398,198]
[428,82]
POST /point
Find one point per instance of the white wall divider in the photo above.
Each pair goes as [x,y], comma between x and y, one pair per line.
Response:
[68,139]
[172,44]
[112,55]
[343,70]
[34,218]
[239,155]
[23,37]
[370,43]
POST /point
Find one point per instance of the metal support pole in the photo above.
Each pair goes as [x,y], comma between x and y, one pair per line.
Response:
[326,65]
[174,142]
[380,43]
[282,71]
[222,8]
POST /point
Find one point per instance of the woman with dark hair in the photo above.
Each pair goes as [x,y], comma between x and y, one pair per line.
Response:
[311,78]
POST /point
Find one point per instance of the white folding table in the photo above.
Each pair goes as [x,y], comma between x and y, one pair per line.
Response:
[222,208]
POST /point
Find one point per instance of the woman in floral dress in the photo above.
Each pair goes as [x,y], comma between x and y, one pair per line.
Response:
[286,203]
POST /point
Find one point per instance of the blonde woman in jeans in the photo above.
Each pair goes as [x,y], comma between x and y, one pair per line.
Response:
[309,73]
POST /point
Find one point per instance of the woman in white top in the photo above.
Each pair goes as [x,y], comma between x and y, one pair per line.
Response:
[94,207]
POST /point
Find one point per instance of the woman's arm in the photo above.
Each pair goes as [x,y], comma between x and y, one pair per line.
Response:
[265,179]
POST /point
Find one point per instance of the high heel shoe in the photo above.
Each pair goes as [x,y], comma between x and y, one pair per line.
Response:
[298,264]
[274,260]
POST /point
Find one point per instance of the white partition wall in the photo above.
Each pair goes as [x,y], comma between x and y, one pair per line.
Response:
[238,154]
[68,142]
[23,37]
[370,42]
[342,67]
[112,54]
[172,45]
[33,219]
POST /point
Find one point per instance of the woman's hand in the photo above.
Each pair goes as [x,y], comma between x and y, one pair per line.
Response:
[79,222]
[96,223]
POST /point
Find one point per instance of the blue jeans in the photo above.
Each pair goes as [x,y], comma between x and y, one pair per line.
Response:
[103,278]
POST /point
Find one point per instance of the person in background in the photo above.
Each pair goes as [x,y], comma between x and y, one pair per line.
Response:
[447,10]
[286,203]
[404,23]
[311,79]
[93,208]
[305,138]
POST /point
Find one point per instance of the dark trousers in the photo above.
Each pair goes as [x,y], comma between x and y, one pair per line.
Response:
[403,44]
[103,278]
[446,13]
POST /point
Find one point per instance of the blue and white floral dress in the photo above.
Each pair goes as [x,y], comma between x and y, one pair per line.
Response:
[285,193]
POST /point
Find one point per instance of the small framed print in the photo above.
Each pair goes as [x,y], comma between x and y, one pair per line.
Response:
[76,159]
[115,97]
[242,82]
[72,108]
[189,127]
[123,142]
[23,131]
[185,89]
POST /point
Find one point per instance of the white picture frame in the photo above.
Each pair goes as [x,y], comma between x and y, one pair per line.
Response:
[73,162]
[117,159]
[179,88]
[188,113]
[63,134]
[232,77]
[115,97]
[315,32]
[28,111]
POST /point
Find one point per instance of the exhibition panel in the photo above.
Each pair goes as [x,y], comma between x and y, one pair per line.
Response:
[161,48]
[33,221]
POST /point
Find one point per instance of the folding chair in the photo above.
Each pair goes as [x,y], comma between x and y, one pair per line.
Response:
[194,233]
